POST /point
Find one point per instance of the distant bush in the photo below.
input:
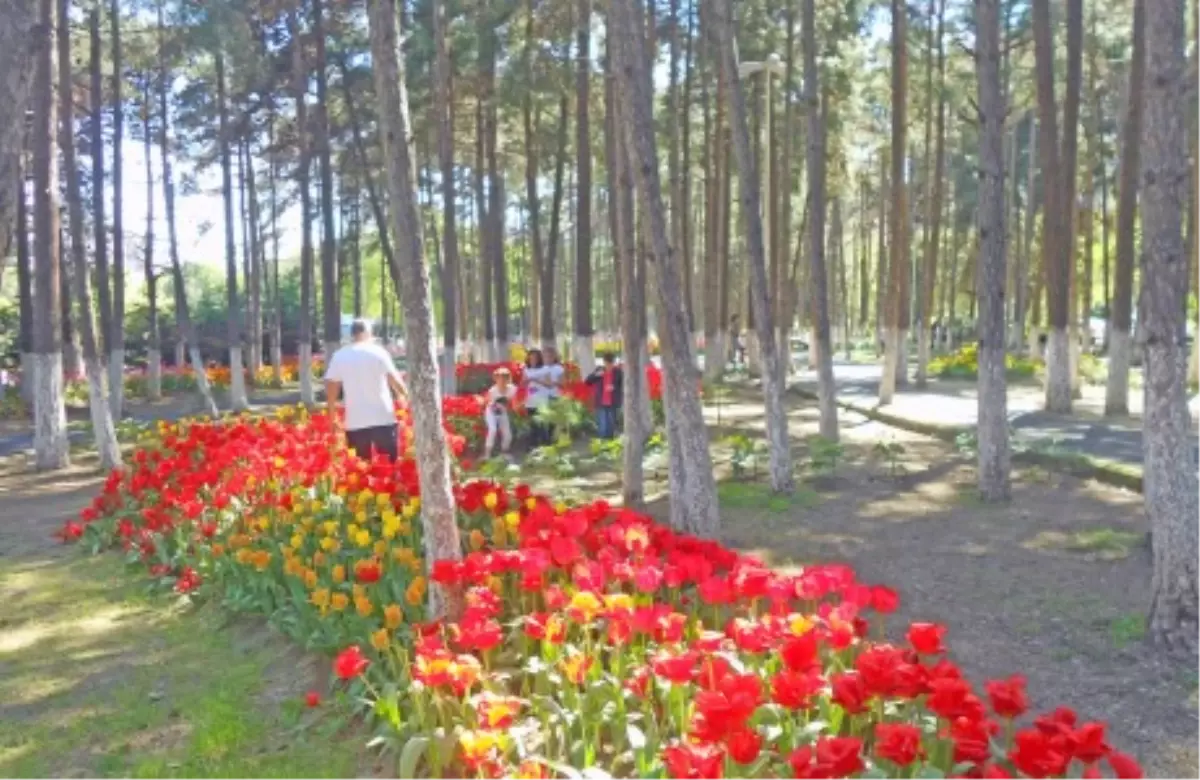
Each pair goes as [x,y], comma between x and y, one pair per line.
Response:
[964,364]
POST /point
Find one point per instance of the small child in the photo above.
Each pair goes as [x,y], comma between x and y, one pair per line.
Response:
[499,401]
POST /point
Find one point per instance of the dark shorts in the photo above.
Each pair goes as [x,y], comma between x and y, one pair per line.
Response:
[382,439]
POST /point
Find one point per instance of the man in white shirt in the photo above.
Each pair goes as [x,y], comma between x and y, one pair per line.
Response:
[365,373]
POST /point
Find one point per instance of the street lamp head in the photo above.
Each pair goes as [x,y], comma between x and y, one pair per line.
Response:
[773,61]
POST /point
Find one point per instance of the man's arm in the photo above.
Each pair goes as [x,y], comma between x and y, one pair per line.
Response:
[333,393]
[397,385]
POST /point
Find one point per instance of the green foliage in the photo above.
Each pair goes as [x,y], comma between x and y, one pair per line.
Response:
[964,364]
[747,453]
[824,454]
[891,451]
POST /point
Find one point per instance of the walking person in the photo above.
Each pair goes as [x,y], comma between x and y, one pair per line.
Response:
[364,372]
[498,403]
[607,381]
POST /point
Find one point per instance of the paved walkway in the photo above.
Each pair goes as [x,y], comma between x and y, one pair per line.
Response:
[953,403]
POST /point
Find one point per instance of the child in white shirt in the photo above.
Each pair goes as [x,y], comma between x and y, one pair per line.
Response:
[499,402]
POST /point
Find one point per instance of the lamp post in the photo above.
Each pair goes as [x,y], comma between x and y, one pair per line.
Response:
[771,66]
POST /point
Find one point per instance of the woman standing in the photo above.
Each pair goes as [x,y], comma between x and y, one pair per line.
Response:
[537,395]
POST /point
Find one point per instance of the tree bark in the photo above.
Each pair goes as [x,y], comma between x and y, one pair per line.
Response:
[300,76]
[694,506]
[433,456]
[817,285]
[116,360]
[585,353]
[994,454]
[50,443]
[1116,396]
[100,232]
[1170,475]
[714,321]
[153,336]
[237,379]
[331,303]
[256,269]
[24,278]
[102,422]
[780,457]
[17,52]
[934,211]
[895,335]
[443,73]
[182,316]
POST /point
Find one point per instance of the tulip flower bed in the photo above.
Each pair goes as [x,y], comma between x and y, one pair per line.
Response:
[593,638]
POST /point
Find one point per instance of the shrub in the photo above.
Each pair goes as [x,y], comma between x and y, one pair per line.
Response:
[964,364]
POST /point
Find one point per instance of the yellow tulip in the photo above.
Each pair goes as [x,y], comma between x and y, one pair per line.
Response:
[382,500]
[512,520]
[364,606]
[381,639]
[360,517]
[490,500]
[381,548]
[310,579]
[363,538]
[339,573]
[393,616]
[339,601]
[320,598]
[297,541]
[476,539]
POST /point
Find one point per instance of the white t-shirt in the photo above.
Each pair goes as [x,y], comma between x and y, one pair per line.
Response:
[555,373]
[494,394]
[537,394]
[363,369]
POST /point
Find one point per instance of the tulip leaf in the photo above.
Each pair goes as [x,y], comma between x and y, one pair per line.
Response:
[412,753]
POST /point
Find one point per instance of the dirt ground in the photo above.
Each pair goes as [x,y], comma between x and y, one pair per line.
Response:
[1054,585]
[97,678]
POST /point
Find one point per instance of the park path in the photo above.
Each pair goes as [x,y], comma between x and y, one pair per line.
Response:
[947,403]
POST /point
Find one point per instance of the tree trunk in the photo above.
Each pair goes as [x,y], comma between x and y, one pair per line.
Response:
[331,303]
[50,443]
[275,298]
[187,333]
[300,77]
[494,226]
[1056,220]
[256,269]
[17,52]
[1116,397]
[24,279]
[237,379]
[882,275]
[752,210]
[633,287]
[714,322]
[895,335]
[99,229]
[550,260]
[1170,475]
[116,360]
[934,212]
[450,275]
[102,421]
[153,337]
[694,506]
[438,515]
[994,455]
[582,346]
[72,351]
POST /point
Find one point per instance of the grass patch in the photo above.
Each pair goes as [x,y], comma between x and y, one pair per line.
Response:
[1127,629]
[102,679]
[1106,544]
[755,495]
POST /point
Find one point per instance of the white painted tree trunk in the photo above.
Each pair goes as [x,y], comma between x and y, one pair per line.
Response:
[902,358]
[446,372]
[438,514]
[308,395]
[1058,372]
[585,354]
[154,374]
[102,422]
[923,342]
[714,357]
[116,383]
[754,362]
[887,381]
[1076,356]
[206,395]
[1116,389]
[180,354]
[237,381]
[277,358]
[51,447]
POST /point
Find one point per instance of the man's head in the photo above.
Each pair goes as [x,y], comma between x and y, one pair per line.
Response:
[360,330]
[609,358]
